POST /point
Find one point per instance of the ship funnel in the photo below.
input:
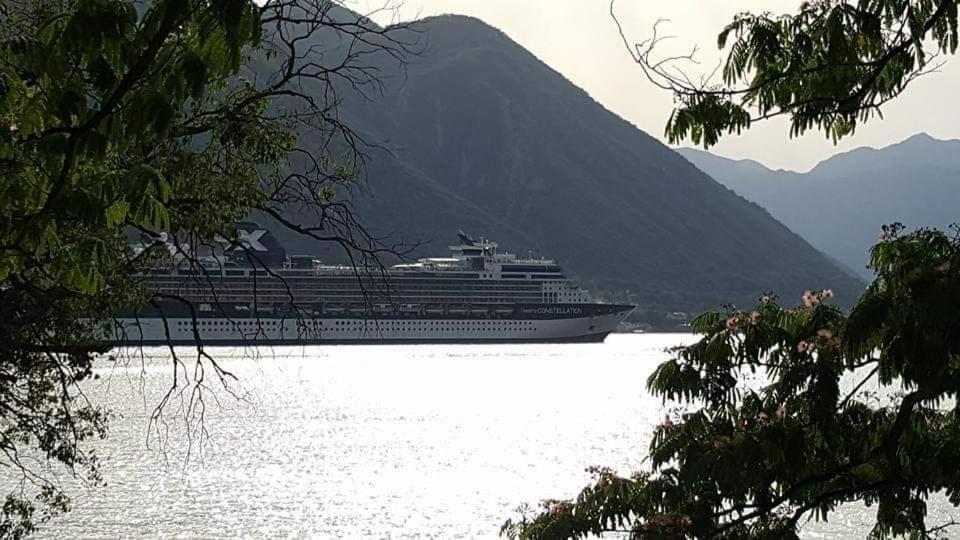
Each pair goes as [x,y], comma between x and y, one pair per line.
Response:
[256,246]
[465,239]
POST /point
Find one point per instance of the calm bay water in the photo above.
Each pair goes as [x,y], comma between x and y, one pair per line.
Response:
[375,442]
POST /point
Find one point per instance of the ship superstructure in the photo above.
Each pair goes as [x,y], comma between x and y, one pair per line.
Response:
[476,294]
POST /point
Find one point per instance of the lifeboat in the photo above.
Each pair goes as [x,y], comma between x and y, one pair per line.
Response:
[383,308]
[478,309]
[334,308]
[458,309]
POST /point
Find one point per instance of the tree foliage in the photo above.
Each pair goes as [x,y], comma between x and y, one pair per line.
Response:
[757,459]
[829,67]
[789,413]
[174,117]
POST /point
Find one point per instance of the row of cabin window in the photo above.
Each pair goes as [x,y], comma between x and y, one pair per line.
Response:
[433,323]
[230,324]
[506,283]
[419,329]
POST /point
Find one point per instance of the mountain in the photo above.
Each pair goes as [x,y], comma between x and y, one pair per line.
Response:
[484,137]
[840,205]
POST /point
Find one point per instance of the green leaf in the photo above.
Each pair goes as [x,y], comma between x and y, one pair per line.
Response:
[116,213]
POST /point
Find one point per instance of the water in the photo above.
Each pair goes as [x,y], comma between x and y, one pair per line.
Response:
[375,442]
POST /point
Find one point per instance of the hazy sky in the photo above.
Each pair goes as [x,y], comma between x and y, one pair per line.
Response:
[578,38]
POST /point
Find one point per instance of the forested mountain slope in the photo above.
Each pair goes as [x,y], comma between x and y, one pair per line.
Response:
[484,137]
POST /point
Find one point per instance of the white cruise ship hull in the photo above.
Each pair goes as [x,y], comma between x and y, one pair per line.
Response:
[477,295]
[274,331]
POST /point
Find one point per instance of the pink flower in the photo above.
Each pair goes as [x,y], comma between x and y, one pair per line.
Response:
[802,346]
[810,299]
[944,267]
[554,506]
[667,422]
[765,299]
[882,235]
[782,411]
[828,293]
[754,317]
[732,324]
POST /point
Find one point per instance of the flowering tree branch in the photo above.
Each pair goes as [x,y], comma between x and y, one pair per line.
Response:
[757,459]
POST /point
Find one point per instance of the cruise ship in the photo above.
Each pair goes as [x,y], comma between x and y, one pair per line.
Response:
[477,294]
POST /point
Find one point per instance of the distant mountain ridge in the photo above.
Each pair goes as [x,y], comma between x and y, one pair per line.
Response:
[486,138]
[840,205]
